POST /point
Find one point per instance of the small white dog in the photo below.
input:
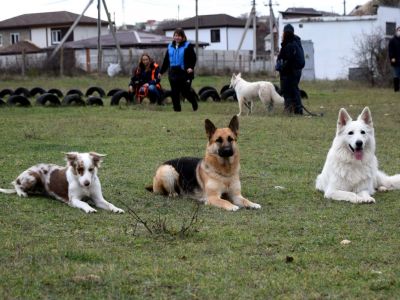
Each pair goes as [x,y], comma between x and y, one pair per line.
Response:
[247,91]
[68,184]
[351,170]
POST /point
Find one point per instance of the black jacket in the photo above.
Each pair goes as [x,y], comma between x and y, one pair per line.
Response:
[189,60]
[394,50]
[291,55]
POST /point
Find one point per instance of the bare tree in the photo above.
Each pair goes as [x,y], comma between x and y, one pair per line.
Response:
[371,56]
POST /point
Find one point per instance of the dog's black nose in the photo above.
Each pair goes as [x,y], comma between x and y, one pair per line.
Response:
[87,183]
[359,144]
[225,152]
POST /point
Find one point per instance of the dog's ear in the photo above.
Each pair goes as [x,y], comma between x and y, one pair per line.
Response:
[239,75]
[210,128]
[234,125]
[97,158]
[343,118]
[366,116]
[71,157]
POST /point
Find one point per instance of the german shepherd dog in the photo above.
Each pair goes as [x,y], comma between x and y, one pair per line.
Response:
[214,179]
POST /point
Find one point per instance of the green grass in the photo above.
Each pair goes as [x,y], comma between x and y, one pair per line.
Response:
[49,250]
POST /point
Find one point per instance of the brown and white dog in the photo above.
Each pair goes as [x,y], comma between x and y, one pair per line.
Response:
[214,179]
[68,184]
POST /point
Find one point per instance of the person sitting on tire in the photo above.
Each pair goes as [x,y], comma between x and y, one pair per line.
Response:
[145,81]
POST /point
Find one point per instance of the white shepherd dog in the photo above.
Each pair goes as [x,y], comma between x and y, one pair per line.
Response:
[351,170]
[247,91]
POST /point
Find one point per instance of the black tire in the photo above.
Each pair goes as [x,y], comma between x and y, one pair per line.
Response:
[224,88]
[303,94]
[93,100]
[93,89]
[229,93]
[113,91]
[22,91]
[210,93]
[2,103]
[5,92]
[206,88]
[18,100]
[36,90]
[73,99]
[74,91]
[48,97]
[56,92]
[119,95]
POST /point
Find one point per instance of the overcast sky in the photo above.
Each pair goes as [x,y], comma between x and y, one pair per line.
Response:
[142,10]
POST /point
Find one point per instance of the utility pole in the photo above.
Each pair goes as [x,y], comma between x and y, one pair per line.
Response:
[272,37]
[99,51]
[254,31]
[197,28]
[344,7]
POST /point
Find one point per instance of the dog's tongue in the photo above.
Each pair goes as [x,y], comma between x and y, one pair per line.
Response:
[358,154]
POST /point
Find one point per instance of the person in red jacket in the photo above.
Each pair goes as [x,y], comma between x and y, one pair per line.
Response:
[145,81]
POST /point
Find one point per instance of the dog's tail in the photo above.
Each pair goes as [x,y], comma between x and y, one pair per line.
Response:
[388,182]
[276,98]
[149,188]
[8,191]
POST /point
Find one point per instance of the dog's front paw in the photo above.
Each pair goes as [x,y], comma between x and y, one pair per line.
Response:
[255,205]
[89,210]
[232,208]
[367,199]
[117,210]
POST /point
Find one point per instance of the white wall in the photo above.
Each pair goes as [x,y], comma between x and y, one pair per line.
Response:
[334,38]
[229,38]
[38,37]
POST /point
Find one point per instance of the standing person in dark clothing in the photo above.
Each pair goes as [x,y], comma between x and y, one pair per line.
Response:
[180,60]
[145,81]
[394,56]
[290,62]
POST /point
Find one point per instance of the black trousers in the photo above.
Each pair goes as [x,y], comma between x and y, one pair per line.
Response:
[181,85]
[291,92]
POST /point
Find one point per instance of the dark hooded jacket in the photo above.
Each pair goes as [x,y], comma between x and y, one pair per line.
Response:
[291,55]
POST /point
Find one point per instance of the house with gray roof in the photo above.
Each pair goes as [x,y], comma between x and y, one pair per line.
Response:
[47,29]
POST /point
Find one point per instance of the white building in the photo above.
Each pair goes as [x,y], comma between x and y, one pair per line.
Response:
[334,38]
[221,31]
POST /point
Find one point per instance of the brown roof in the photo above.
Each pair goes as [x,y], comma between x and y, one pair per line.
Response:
[17,48]
[55,18]
[207,21]
[126,39]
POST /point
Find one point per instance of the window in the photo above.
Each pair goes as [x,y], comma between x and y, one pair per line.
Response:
[390,28]
[215,36]
[14,38]
[55,36]
[1,40]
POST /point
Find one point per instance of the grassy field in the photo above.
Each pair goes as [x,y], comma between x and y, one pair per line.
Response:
[290,249]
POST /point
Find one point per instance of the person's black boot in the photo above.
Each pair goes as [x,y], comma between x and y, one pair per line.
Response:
[396,83]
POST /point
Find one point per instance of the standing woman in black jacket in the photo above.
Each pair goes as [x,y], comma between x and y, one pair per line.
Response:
[290,62]
[180,60]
